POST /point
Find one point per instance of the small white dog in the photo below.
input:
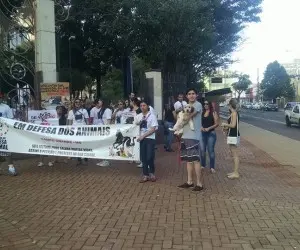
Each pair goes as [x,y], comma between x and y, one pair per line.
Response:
[183,118]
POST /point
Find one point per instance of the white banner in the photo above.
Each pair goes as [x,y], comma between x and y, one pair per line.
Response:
[43,117]
[110,142]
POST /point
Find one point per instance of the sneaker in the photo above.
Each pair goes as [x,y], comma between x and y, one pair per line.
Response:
[212,170]
[152,178]
[197,188]
[40,164]
[144,179]
[140,165]
[186,185]
[11,170]
[103,164]
[51,163]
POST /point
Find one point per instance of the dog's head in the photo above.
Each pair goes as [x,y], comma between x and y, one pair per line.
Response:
[188,109]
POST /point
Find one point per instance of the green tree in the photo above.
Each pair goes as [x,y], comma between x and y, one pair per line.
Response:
[189,37]
[241,85]
[276,82]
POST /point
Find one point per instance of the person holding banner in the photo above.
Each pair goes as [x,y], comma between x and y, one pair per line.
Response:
[6,112]
[78,116]
[118,116]
[101,115]
[62,113]
[148,126]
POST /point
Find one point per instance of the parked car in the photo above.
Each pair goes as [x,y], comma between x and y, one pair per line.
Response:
[271,107]
[293,116]
[257,106]
[248,105]
[290,105]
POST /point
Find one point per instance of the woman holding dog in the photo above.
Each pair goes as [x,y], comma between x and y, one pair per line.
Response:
[191,144]
[210,121]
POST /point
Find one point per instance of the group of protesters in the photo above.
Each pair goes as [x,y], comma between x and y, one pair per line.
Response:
[193,142]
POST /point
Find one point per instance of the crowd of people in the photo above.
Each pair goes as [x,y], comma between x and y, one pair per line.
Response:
[194,142]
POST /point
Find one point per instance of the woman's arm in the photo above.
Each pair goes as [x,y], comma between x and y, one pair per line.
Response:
[233,121]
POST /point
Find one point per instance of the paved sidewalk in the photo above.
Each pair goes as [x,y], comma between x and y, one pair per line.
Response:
[68,207]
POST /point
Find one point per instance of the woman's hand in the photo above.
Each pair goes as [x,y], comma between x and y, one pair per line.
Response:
[224,124]
[140,138]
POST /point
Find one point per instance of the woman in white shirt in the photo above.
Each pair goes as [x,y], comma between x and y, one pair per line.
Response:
[101,115]
[148,126]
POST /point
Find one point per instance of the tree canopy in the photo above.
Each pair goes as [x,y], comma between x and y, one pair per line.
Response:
[276,82]
[190,38]
[242,85]
[186,37]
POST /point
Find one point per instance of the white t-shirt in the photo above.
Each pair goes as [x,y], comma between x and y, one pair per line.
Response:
[97,120]
[79,117]
[6,111]
[151,120]
[179,105]
[120,118]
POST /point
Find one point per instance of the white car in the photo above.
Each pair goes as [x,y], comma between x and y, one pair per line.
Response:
[257,106]
[293,116]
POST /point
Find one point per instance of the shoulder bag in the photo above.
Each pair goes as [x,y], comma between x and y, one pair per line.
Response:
[234,140]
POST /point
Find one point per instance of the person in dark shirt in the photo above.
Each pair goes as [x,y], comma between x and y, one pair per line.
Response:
[169,121]
[62,115]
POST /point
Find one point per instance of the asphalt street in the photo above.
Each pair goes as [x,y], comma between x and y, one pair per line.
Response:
[268,120]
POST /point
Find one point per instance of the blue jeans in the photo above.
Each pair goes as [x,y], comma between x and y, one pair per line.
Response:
[169,134]
[209,142]
[147,152]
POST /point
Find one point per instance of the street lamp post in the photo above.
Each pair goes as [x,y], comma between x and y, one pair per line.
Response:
[70,65]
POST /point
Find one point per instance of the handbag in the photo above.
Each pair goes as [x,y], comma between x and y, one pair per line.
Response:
[234,140]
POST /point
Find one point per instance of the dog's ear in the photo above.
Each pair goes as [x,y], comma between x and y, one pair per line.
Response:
[192,109]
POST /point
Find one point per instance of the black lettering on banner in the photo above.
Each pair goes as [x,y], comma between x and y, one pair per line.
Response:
[19,125]
[107,130]
[66,131]
[93,131]
[3,143]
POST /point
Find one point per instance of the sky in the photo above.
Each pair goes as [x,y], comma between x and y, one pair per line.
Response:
[276,37]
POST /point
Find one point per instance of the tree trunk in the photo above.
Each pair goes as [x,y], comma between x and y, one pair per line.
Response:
[98,84]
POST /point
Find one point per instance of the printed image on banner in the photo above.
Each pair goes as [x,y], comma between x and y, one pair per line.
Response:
[53,94]
[3,141]
[111,142]
[43,117]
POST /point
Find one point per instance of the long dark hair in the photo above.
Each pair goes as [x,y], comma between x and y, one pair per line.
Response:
[103,108]
[210,107]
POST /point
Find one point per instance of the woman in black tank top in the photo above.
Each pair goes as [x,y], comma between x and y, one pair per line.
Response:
[210,121]
[231,128]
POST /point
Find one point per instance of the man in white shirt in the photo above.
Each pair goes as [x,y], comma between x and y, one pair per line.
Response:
[180,104]
[78,117]
[148,126]
[6,112]
[101,115]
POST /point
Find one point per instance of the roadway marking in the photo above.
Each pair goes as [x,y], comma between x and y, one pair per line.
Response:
[252,116]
